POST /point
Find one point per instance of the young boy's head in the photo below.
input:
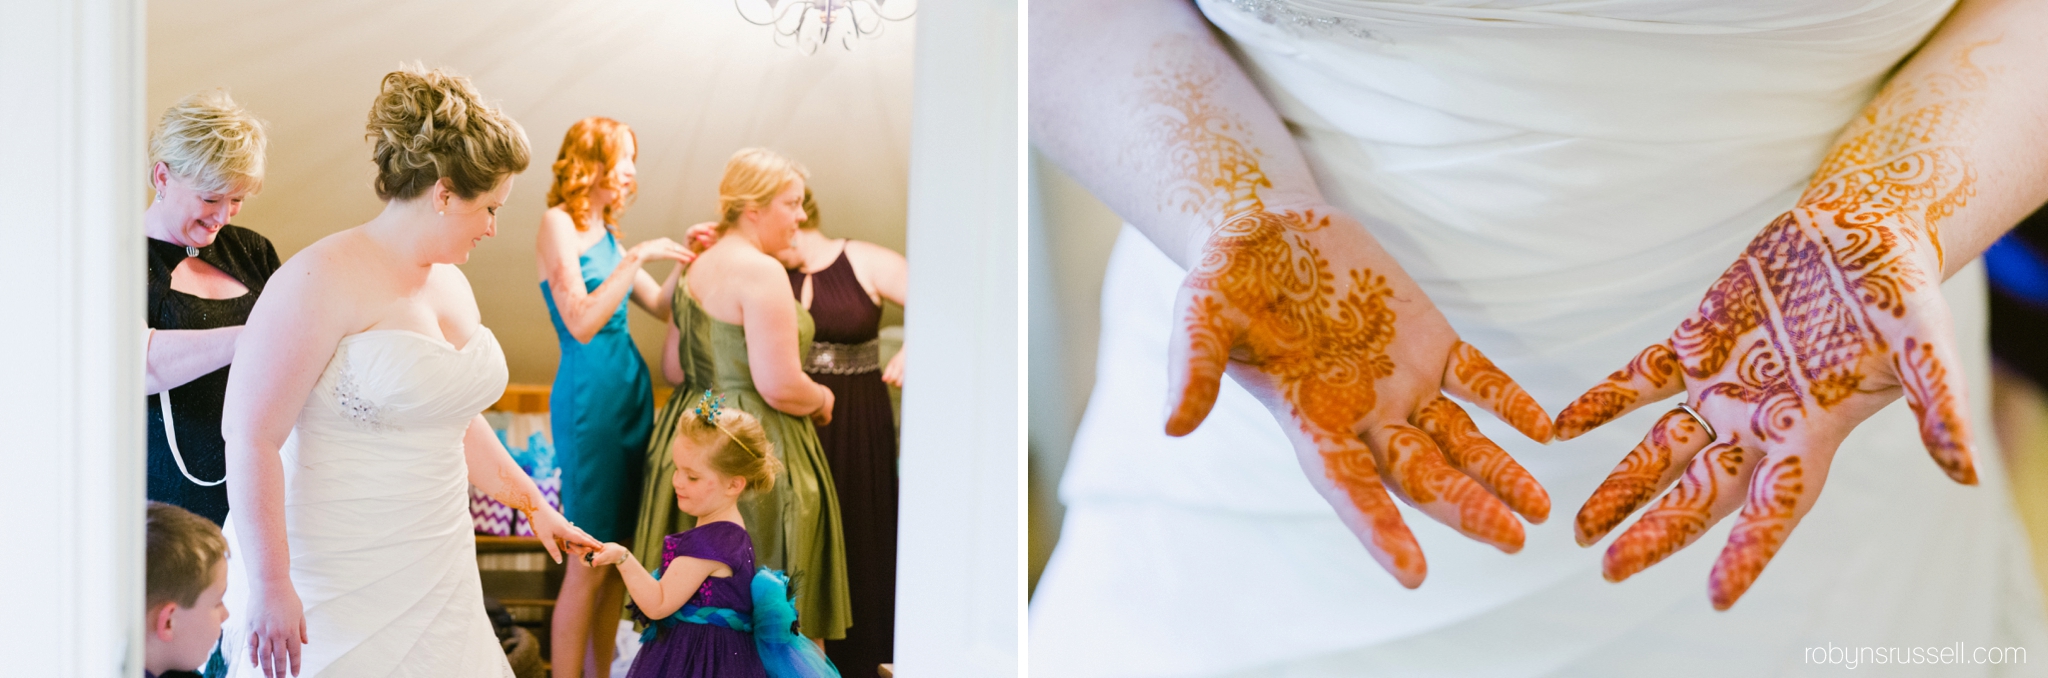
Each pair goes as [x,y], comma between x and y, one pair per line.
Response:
[187,573]
[719,459]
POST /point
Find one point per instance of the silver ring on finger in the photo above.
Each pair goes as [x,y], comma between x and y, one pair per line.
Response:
[1711,436]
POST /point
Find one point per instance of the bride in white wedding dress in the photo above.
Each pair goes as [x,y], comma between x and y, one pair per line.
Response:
[354,421]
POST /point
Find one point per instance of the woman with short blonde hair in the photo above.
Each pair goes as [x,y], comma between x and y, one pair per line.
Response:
[206,157]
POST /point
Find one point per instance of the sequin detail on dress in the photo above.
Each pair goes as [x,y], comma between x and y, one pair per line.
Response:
[364,413]
[1285,15]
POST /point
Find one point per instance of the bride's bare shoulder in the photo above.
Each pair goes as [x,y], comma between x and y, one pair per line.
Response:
[332,264]
[327,256]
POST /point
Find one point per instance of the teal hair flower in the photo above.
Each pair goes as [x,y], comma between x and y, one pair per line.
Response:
[709,407]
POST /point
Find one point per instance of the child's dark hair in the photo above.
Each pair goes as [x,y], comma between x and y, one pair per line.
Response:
[737,447]
[183,549]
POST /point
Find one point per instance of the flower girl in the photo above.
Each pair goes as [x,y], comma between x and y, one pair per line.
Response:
[710,614]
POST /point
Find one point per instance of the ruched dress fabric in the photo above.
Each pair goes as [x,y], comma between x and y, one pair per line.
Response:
[860,446]
[687,650]
[600,410]
[796,525]
[659,515]
[1564,179]
[376,514]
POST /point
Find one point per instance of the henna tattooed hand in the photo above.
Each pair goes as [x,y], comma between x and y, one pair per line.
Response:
[1299,304]
[1831,313]
[558,536]
[1328,331]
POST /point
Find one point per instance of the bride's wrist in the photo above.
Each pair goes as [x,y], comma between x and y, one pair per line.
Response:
[264,585]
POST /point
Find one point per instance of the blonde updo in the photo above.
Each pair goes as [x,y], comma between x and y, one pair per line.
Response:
[211,142]
[736,447]
[752,178]
[428,125]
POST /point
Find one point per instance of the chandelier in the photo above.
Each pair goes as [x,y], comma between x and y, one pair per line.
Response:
[808,24]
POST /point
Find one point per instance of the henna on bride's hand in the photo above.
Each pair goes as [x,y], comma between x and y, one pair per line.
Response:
[1651,376]
[1474,379]
[1472,454]
[1818,311]
[512,497]
[1263,293]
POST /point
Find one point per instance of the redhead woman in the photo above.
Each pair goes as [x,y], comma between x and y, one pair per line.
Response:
[355,426]
[602,404]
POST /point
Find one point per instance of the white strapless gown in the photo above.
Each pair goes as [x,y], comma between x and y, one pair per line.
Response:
[1565,178]
[377,513]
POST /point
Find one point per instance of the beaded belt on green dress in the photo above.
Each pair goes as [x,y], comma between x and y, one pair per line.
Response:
[830,358]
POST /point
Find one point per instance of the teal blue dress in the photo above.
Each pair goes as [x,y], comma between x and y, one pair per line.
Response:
[601,409]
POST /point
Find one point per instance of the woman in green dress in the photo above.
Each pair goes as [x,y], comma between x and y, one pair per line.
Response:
[740,333]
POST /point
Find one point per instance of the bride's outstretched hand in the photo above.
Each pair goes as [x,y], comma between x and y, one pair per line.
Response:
[557,535]
[1326,329]
[1830,314]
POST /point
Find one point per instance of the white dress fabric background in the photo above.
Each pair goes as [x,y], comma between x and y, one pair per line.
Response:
[377,513]
[1565,178]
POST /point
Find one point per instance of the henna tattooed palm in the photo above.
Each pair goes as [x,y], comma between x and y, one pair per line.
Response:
[1831,313]
[1298,307]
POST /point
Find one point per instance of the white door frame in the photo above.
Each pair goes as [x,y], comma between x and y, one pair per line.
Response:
[74,83]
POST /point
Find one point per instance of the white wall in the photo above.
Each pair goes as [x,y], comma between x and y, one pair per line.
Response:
[959,579]
[74,78]
[71,355]
[1071,235]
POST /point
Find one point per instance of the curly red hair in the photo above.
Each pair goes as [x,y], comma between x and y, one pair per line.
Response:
[590,150]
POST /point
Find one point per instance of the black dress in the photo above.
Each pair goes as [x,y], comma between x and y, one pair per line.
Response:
[860,447]
[195,405]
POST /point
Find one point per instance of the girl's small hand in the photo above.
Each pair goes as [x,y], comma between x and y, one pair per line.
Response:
[607,555]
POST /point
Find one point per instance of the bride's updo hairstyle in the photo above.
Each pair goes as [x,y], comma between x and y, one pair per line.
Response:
[736,447]
[752,178]
[428,125]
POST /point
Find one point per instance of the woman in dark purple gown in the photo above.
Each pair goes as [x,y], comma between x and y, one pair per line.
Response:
[843,283]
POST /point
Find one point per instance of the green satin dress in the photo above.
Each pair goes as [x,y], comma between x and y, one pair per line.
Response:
[795,526]
[659,516]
